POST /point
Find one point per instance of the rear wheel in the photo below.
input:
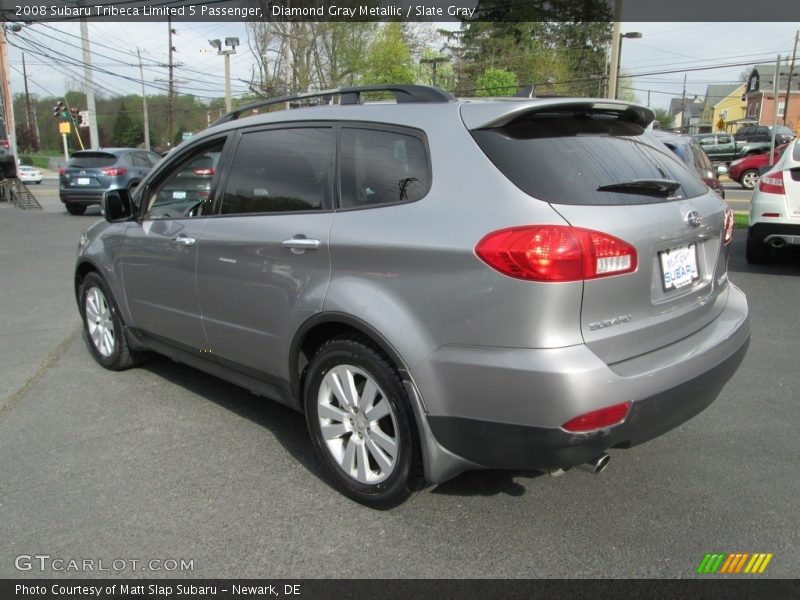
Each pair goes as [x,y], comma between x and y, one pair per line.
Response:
[756,252]
[361,423]
[749,179]
[75,209]
[103,327]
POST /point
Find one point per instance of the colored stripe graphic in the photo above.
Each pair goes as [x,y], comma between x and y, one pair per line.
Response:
[733,563]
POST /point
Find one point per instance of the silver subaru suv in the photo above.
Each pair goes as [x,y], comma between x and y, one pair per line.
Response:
[437,284]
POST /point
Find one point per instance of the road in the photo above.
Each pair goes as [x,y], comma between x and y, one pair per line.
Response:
[166,462]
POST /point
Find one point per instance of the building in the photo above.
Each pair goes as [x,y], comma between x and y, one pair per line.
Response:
[686,114]
[724,107]
[760,96]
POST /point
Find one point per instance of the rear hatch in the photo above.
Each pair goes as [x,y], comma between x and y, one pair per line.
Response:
[594,163]
[90,170]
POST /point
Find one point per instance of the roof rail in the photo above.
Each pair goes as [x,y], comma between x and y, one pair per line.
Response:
[349,95]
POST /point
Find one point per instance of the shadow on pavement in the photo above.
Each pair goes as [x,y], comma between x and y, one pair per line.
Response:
[783,261]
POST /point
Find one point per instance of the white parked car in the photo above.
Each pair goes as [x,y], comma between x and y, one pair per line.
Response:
[775,207]
[28,174]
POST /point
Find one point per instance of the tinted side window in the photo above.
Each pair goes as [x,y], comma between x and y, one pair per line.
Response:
[186,190]
[380,167]
[724,139]
[279,170]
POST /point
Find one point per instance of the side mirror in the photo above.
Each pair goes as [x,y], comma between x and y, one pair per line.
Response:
[722,170]
[117,205]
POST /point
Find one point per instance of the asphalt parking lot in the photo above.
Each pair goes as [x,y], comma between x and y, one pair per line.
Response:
[164,462]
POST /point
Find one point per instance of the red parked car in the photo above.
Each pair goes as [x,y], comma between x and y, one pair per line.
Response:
[745,171]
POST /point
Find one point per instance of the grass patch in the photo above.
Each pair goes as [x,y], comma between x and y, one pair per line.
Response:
[741,220]
[41,162]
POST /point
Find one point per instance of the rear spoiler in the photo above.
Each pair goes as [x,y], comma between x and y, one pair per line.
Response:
[487,115]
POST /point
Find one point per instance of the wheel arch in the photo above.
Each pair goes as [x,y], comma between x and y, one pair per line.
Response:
[325,326]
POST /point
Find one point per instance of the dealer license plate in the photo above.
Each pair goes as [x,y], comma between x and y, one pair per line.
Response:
[679,266]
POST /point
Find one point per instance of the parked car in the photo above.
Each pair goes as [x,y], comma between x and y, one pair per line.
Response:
[27,174]
[725,148]
[89,173]
[438,284]
[746,171]
[689,151]
[763,133]
[775,208]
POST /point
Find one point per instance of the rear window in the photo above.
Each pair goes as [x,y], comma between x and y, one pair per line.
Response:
[796,152]
[91,160]
[565,157]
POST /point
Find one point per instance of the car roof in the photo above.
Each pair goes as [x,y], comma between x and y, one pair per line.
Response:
[475,112]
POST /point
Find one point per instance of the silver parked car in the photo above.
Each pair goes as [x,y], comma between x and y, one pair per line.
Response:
[437,284]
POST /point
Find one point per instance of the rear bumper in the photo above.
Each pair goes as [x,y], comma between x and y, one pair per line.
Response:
[503,425]
[85,197]
[760,232]
[506,446]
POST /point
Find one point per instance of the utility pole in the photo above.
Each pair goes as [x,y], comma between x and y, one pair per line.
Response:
[774,107]
[616,31]
[28,109]
[144,104]
[434,62]
[5,88]
[94,138]
[788,83]
[683,105]
[171,99]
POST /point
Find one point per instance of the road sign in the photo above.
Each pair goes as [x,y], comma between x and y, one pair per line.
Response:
[63,128]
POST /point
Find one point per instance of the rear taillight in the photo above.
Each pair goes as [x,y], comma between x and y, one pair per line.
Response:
[727,234]
[772,183]
[61,171]
[113,171]
[556,253]
[204,172]
[598,419]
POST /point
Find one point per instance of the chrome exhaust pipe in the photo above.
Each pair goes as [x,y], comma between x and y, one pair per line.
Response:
[596,465]
[777,242]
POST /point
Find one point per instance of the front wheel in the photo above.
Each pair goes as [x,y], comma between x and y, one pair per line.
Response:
[361,423]
[102,326]
[750,179]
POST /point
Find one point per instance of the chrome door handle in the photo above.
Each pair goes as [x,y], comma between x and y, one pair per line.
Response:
[184,240]
[301,244]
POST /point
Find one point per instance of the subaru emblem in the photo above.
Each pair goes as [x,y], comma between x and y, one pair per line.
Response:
[693,218]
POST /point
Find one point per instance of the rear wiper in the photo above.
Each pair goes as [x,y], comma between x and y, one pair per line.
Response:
[649,187]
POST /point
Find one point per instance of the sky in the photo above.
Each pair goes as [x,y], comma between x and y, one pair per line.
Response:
[663,46]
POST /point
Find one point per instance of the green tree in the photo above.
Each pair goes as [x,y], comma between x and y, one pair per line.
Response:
[389,57]
[663,118]
[497,82]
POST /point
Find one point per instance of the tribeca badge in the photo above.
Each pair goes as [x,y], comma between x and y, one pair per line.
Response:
[734,563]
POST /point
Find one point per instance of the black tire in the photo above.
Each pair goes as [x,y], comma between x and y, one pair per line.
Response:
[750,179]
[119,356]
[756,253]
[405,476]
[75,209]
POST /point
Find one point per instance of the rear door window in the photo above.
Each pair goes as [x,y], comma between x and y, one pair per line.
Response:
[382,167]
[566,157]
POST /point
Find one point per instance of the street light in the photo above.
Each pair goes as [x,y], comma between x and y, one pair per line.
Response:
[631,35]
[231,42]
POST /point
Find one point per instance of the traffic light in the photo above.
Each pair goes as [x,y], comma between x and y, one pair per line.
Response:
[75,114]
[60,111]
